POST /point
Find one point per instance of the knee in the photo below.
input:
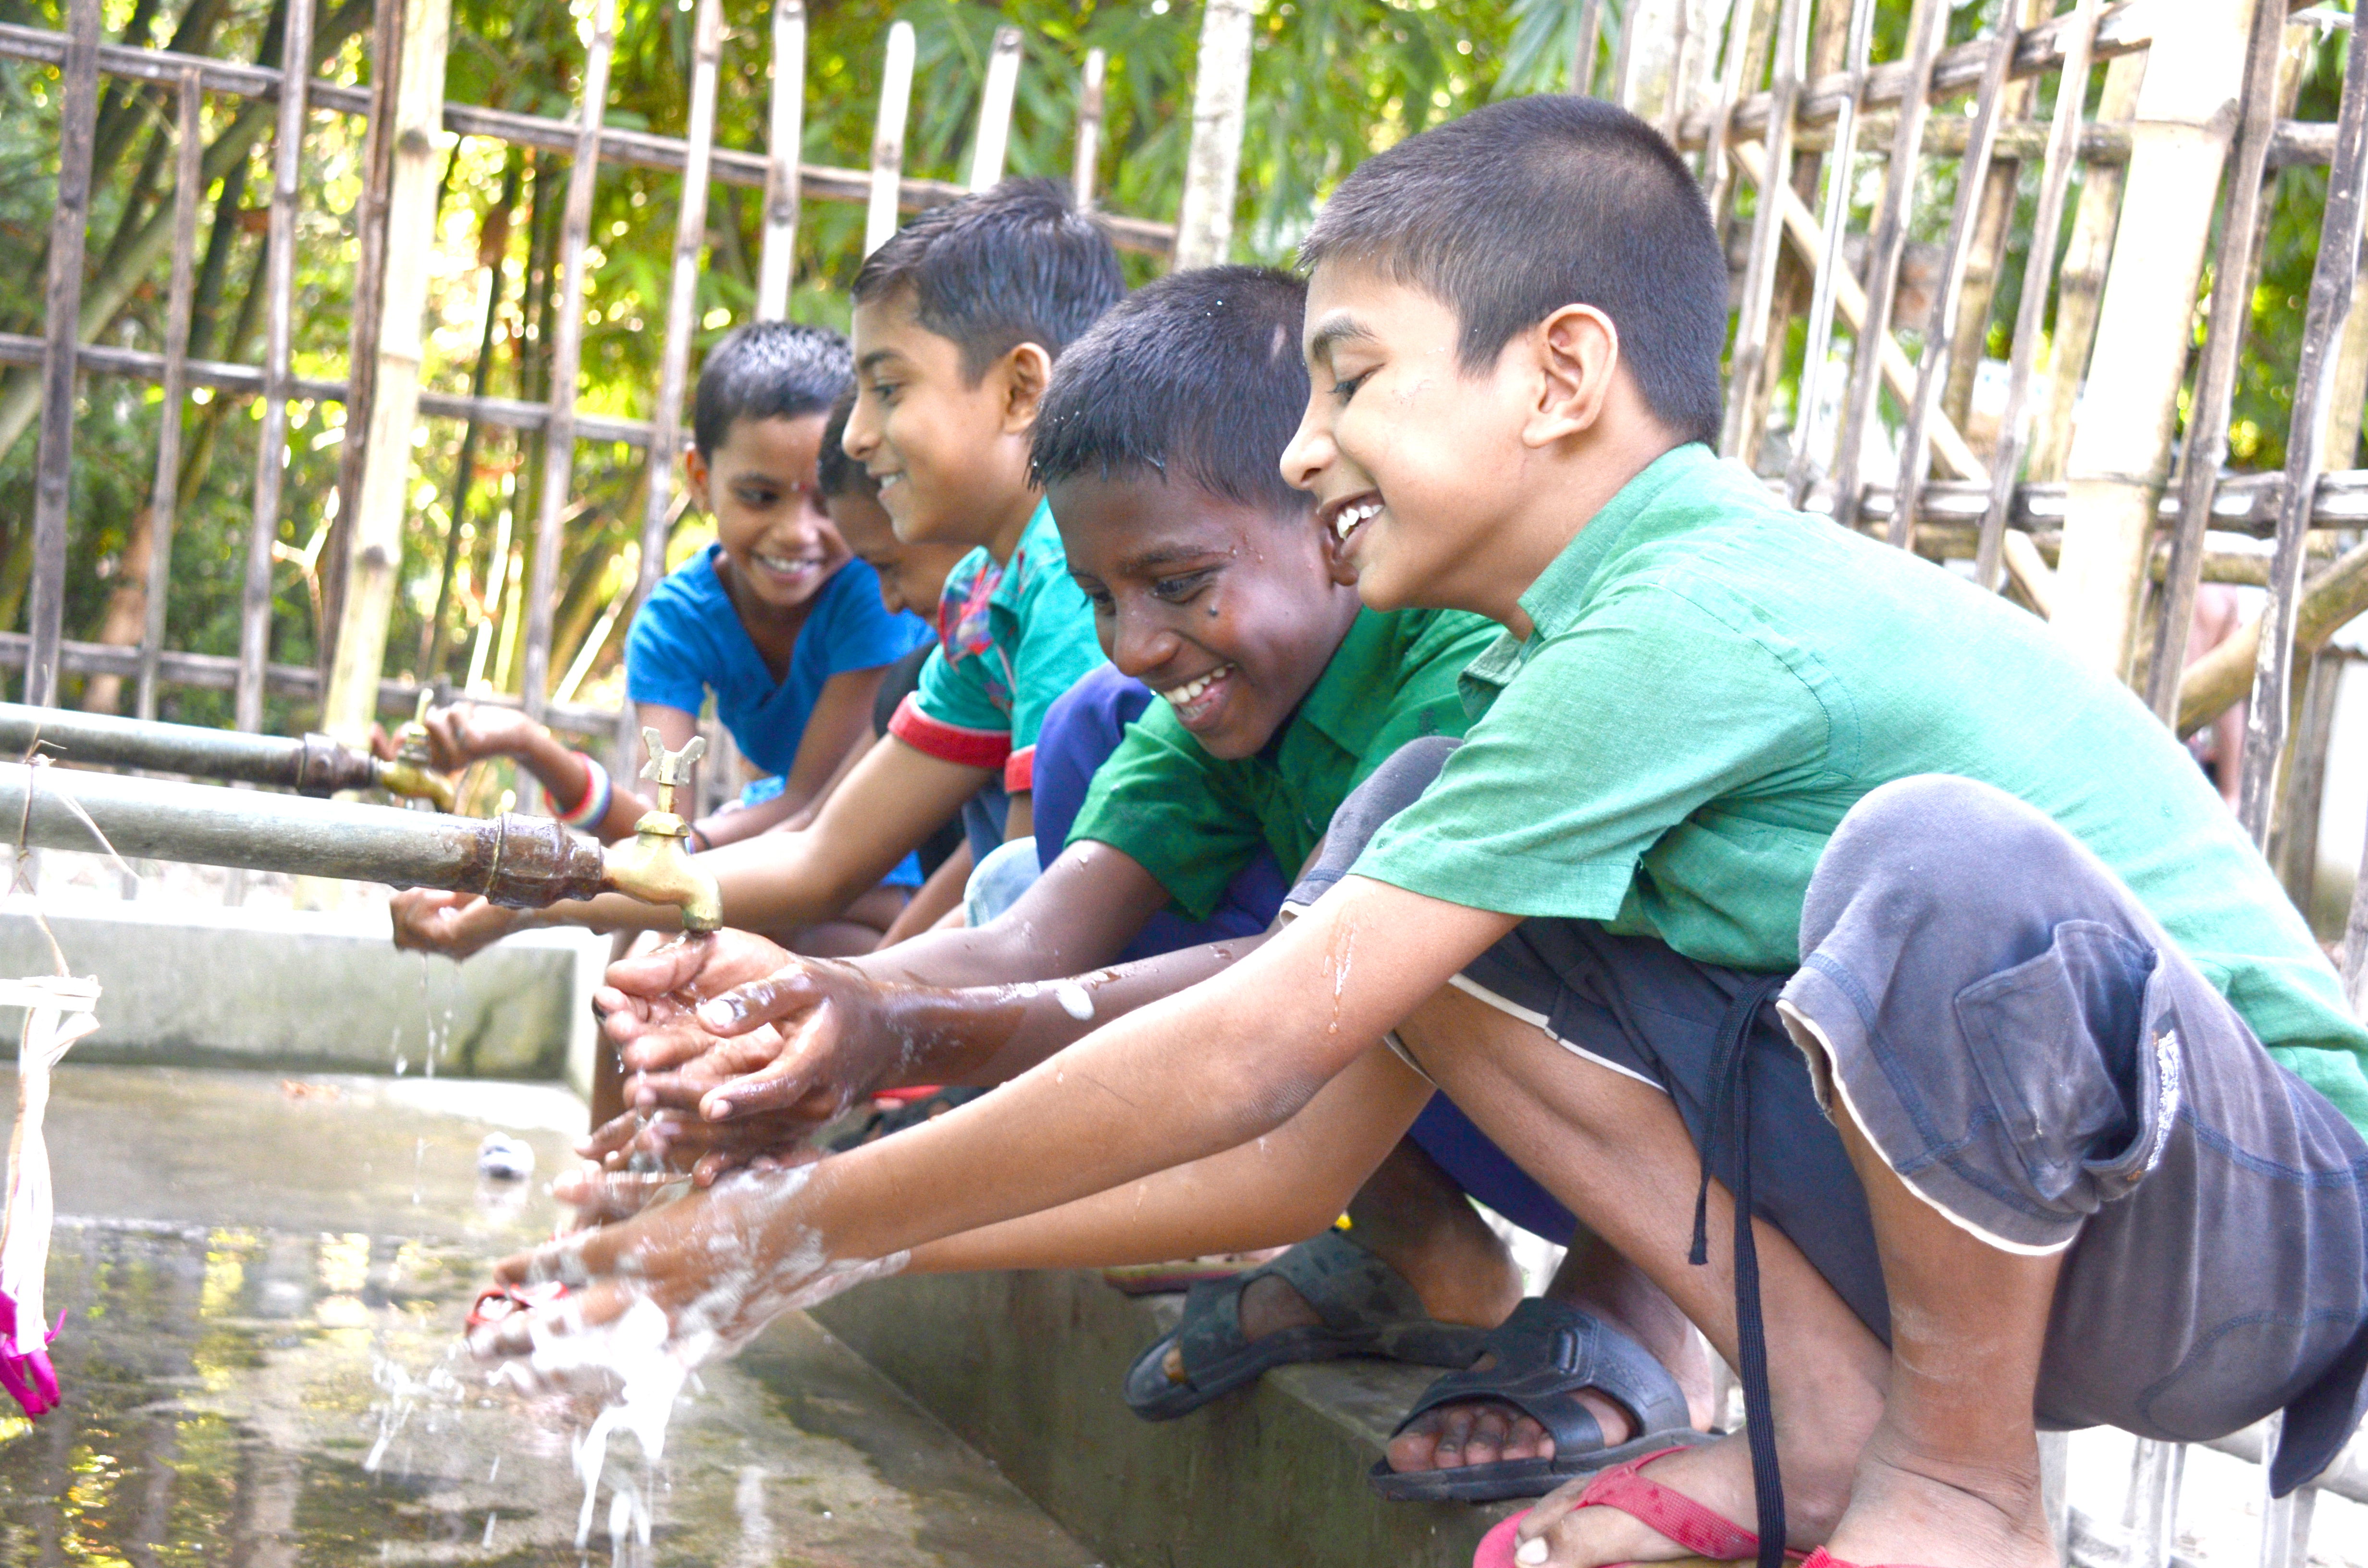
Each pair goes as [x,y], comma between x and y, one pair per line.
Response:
[1939,851]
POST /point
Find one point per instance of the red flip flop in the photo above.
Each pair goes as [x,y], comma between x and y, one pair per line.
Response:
[497,1302]
[1821,1558]
[1673,1513]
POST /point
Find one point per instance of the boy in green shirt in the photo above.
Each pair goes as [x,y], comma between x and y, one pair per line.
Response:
[1211,582]
[958,319]
[1783,875]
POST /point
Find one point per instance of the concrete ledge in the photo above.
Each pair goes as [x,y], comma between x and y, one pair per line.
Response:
[1027,1368]
[310,992]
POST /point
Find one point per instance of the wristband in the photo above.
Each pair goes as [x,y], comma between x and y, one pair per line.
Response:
[699,839]
[599,794]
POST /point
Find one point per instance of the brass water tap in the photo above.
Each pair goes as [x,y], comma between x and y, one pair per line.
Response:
[655,865]
[410,773]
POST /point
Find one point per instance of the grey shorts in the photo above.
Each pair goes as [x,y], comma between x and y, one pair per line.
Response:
[2040,1063]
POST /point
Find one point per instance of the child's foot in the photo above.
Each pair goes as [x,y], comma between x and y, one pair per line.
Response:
[1910,1508]
[1717,1477]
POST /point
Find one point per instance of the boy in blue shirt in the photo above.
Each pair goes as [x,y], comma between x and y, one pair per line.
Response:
[1786,890]
[776,618]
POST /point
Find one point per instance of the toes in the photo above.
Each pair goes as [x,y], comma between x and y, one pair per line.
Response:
[1417,1448]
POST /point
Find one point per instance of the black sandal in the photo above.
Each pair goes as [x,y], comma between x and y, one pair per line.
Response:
[1366,1308]
[1544,1354]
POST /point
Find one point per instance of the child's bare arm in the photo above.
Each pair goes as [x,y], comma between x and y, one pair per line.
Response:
[1186,1077]
[1076,916]
[839,725]
[1274,1192]
[897,797]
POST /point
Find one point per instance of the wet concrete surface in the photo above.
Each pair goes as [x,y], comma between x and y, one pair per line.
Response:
[263,1282]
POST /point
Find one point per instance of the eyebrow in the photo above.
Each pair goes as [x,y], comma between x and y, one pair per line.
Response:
[1338,328]
[1152,560]
[876,357]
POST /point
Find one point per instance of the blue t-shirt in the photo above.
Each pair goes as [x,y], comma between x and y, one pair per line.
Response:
[687,640]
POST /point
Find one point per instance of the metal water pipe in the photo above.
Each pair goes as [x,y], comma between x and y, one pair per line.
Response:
[521,861]
[314,765]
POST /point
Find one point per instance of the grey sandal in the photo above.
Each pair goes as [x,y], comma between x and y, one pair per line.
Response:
[1366,1308]
[1546,1353]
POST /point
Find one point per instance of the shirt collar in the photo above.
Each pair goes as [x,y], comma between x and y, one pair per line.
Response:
[1555,599]
[1345,702]
[1039,544]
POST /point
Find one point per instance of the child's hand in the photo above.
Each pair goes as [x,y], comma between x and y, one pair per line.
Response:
[429,920]
[718,1265]
[834,1039]
[469,731]
[683,1145]
[647,998]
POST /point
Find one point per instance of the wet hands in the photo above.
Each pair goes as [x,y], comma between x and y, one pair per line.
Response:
[719,1263]
[466,732]
[429,920]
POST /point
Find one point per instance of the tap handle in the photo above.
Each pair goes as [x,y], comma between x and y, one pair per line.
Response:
[671,769]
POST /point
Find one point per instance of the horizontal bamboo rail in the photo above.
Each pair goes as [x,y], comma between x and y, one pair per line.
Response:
[630,149]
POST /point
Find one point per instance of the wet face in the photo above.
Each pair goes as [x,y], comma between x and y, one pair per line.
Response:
[934,440]
[911,575]
[1228,611]
[761,487]
[1416,465]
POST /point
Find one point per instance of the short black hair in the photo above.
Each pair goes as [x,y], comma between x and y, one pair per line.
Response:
[838,474]
[1197,375]
[1533,204]
[1017,264]
[768,369]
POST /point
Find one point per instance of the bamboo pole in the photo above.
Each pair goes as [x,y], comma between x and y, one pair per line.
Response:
[1582,55]
[2331,282]
[567,343]
[2055,179]
[271,440]
[375,556]
[2331,599]
[1825,270]
[993,137]
[1089,130]
[888,136]
[1752,326]
[2224,339]
[165,494]
[2019,141]
[1847,300]
[1213,164]
[2121,446]
[1940,333]
[2080,281]
[1741,26]
[2305,795]
[367,304]
[690,238]
[61,308]
[1887,244]
[776,263]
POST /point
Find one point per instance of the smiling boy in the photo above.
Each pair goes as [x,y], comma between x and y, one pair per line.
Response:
[1158,445]
[958,319]
[1779,864]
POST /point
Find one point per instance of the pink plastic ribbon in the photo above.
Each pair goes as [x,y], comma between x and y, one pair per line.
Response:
[30,1379]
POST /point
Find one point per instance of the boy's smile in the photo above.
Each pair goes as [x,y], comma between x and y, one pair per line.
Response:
[1229,612]
[780,543]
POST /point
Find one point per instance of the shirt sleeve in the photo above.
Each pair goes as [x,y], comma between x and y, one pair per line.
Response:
[1056,649]
[1610,735]
[950,716]
[1167,804]
[662,652]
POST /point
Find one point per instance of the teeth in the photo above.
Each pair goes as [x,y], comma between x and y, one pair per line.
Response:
[1346,522]
[781,564]
[1185,695]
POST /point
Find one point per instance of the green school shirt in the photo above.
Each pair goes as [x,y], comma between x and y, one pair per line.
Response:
[1714,681]
[1011,638]
[1194,821]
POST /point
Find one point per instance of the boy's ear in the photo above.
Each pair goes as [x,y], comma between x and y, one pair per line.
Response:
[1577,354]
[694,469]
[1025,370]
